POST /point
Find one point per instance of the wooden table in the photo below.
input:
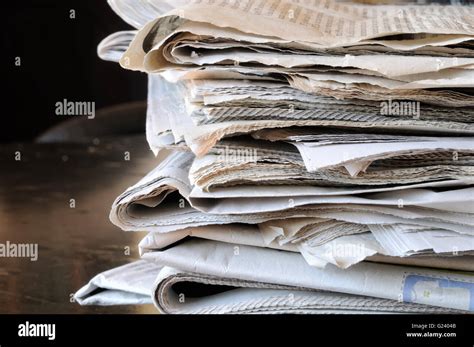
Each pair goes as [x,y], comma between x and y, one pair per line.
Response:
[75,242]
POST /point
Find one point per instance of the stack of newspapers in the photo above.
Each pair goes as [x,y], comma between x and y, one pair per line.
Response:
[315,157]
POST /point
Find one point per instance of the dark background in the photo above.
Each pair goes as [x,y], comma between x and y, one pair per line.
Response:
[58,61]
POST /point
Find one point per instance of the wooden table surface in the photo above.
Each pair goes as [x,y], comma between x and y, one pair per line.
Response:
[74,244]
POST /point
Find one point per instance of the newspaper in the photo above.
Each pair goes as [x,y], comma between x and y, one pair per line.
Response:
[108,289]
[316,157]
[216,263]
[285,268]
[324,25]
[324,241]
[364,80]
[401,162]
[165,200]
[201,115]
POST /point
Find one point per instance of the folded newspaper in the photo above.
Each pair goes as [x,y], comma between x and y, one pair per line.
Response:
[317,157]
[216,277]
